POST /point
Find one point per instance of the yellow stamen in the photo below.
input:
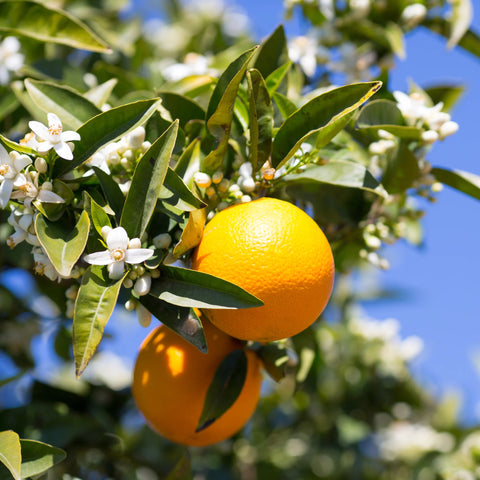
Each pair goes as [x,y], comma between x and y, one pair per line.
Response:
[4,168]
[117,254]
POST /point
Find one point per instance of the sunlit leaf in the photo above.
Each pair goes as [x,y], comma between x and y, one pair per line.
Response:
[18,147]
[272,53]
[338,172]
[274,80]
[225,388]
[192,233]
[324,116]
[460,20]
[261,120]
[71,107]
[182,108]
[47,24]
[63,245]
[465,182]
[10,452]
[394,34]
[188,288]
[146,183]
[99,94]
[176,193]
[95,302]
[284,104]
[105,128]
[38,457]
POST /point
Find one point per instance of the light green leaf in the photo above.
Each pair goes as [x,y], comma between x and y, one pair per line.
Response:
[176,193]
[189,288]
[460,21]
[95,302]
[465,182]
[105,128]
[284,104]
[274,80]
[394,34]
[100,94]
[147,182]
[47,24]
[385,115]
[10,452]
[192,233]
[10,145]
[225,388]
[38,457]
[261,120]
[63,245]
[70,106]
[189,162]
[99,217]
[402,169]
[325,116]
[337,172]
[220,109]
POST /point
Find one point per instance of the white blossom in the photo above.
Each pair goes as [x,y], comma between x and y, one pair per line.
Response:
[43,265]
[245,181]
[11,166]
[120,250]
[305,51]
[11,60]
[413,14]
[28,190]
[22,221]
[54,137]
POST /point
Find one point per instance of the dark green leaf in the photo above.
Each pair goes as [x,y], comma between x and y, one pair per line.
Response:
[47,24]
[261,120]
[147,182]
[182,469]
[324,116]
[178,319]
[70,106]
[338,172]
[189,288]
[63,245]
[176,193]
[401,171]
[465,182]
[112,192]
[10,452]
[182,108]
[38,457]
[274,357]
[105,128]
[447,94]
[284,104]
[225,388]
[189,161]
[272,53]
[95,302]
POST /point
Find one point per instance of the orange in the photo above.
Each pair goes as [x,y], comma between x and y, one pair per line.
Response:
[275,251]
[171,379]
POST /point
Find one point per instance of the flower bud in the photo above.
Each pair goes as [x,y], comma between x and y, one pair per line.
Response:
[203,180]
[430,136]
[162,241]
[136,138]
[142,285]
[143,315]
[135,243]
[447,129]
[41,165]
[217,177]
[413,14]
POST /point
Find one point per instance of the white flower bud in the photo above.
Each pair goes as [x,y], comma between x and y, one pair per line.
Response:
[413,14]
[135,243]
[246,198]
[203,180]
[223,185]
[448,128]
[217,177]
[247,184]
[143,315]
[130,305]
[105,231]
[430,136]
[142,285]
[136,138]
[41,165]
[163,241]
[145,146]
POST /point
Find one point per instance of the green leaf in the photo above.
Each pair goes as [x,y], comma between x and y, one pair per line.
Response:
[337,172]
[99,217]
[95,302]
[147,182]
[274,80]
[325,116]
[447,94]
[176,193]
[189,288]
[112,191]
[192,233]
[47,24]
[220,109]
[385,115]
[460,20]
[10,452]
[465,182]
[394,34]
[225,388]
[63,245]
[38,457]
[10,145]
[284,104]
[274,357]
[70,106]
[272,53]
[100,94]
[401,171]
[105,128]
[182,108]
[182,469]
[261,120]
[178,319]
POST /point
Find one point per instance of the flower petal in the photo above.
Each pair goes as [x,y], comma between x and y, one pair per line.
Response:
[117,238]
[63,150]
[47,196]
[98,258]
[138,255]
[115,270]
[21,162]
[38,129]
[4,156]
[44,146]
[6,188]
[70,136]
[53,119]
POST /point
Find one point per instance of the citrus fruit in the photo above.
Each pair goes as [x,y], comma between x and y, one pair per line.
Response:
[275,251]
[171,379]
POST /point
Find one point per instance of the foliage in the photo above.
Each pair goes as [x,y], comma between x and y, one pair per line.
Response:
[169,122]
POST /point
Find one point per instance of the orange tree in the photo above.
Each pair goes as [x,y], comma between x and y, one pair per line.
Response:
[121,141]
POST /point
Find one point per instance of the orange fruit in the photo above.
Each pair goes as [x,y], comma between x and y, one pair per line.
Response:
[275,251]
[171,379]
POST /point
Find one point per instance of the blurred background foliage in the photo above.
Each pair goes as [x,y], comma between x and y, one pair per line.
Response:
[348,406]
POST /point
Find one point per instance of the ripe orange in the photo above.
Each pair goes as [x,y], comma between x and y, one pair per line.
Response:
[275,251]
[171,379]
